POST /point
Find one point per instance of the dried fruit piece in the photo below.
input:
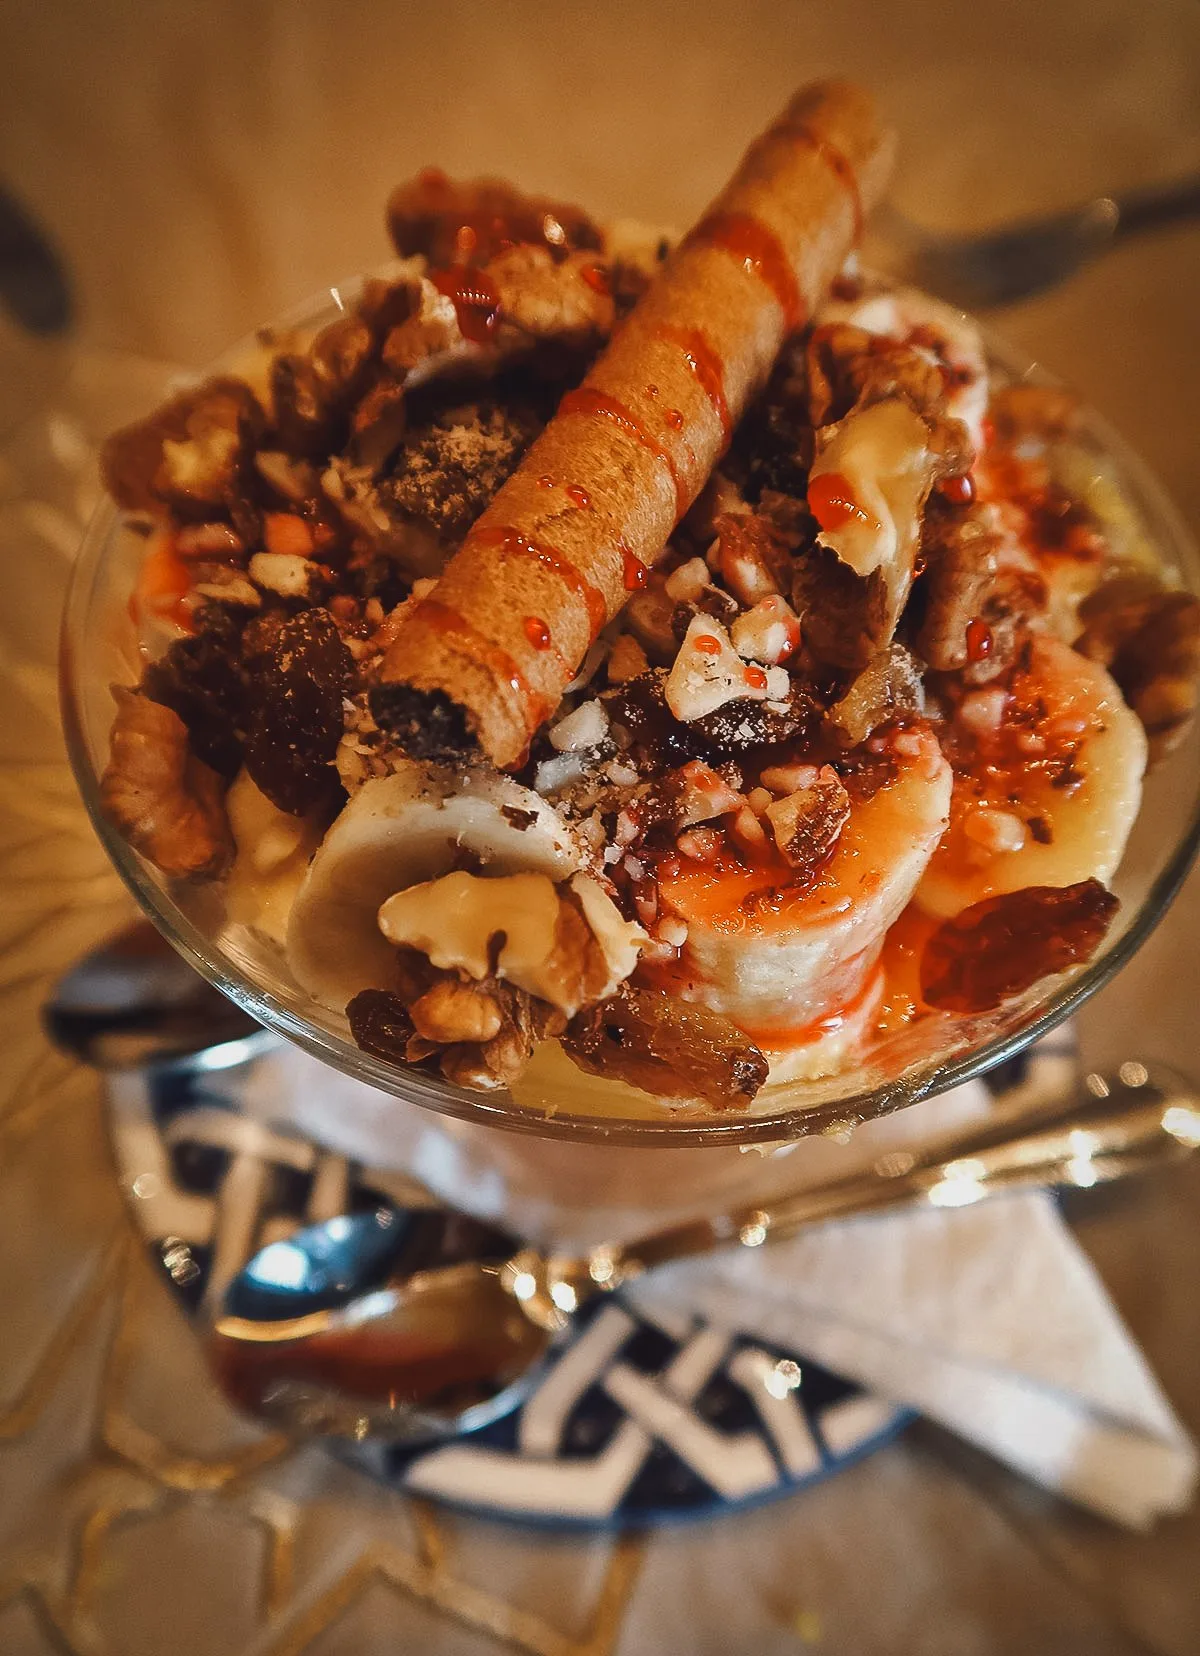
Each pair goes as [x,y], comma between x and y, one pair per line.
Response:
[381,1024]
[1003,945]
[298,718]
[203,680]
[169,805]
[669,1047]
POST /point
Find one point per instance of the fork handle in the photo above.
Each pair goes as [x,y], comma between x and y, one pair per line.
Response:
[1155,206]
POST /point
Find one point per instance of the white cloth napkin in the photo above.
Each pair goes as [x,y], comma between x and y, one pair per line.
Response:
[989,1319]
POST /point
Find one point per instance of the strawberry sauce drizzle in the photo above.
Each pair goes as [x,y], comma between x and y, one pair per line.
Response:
[515,544]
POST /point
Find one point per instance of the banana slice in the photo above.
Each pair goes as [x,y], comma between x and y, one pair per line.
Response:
[1048,783]
[273,849]
[397,831]
[780,960]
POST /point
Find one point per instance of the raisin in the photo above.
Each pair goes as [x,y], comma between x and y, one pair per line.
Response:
[298,720]
[670,1047]
[746,726]
[202,680]
[655,736]
[1003,945]
[380,1024]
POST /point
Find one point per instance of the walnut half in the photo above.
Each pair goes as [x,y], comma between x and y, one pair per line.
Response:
[167,803]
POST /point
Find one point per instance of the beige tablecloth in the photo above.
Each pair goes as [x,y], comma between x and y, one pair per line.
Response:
[203,167]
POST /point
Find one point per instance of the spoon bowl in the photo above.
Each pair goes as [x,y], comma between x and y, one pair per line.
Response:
[134,1003]
[394,1323]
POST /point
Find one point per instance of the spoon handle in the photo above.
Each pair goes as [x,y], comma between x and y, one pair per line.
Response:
[1138,1123]
[1156,205]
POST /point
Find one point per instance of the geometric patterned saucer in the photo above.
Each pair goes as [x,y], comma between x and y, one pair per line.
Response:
[631,1423]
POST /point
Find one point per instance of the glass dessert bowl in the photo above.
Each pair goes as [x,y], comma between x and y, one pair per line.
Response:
[891,1033]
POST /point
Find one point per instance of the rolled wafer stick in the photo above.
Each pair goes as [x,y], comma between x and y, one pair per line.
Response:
[572,533]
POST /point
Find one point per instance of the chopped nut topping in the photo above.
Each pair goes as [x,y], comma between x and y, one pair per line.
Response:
[750,557]
[807,824]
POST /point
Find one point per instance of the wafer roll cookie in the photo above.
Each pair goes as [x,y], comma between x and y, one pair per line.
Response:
[571,534]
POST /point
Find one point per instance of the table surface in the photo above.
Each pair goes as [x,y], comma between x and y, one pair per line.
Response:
[206,172]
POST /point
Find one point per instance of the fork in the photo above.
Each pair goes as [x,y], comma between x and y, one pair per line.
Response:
[1018,260]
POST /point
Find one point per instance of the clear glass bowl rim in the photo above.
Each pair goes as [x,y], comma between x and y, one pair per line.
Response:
[671,1128]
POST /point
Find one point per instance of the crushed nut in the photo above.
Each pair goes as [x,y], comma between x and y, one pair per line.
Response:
[453,1011]
[286,573]
[750,557]
[808,823]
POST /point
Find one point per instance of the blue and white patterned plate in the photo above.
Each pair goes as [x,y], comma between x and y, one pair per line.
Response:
[632,1422]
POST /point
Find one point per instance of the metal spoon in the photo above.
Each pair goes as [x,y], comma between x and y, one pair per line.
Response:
[1001,266]
[134,1003]
[397,1325]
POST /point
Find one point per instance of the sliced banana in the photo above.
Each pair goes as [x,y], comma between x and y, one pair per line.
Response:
[778,960]
[397,831]
[1055,787]
[273,849]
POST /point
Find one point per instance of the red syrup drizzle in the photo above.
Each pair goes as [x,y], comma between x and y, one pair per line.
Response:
[634,573]
[476,302]
[586,399]
[441,618]
[759,251]
[959,491]
[979,640]
[517,545]
[705,364]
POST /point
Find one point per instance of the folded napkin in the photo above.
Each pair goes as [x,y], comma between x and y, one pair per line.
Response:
[989,1319]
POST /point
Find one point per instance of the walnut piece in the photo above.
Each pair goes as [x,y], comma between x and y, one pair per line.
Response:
[167,803]
[468,222]
[383,1024]
[550,299]
[189,455]
[851,368]
[808,823]
[1148,637]
[454,1011]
